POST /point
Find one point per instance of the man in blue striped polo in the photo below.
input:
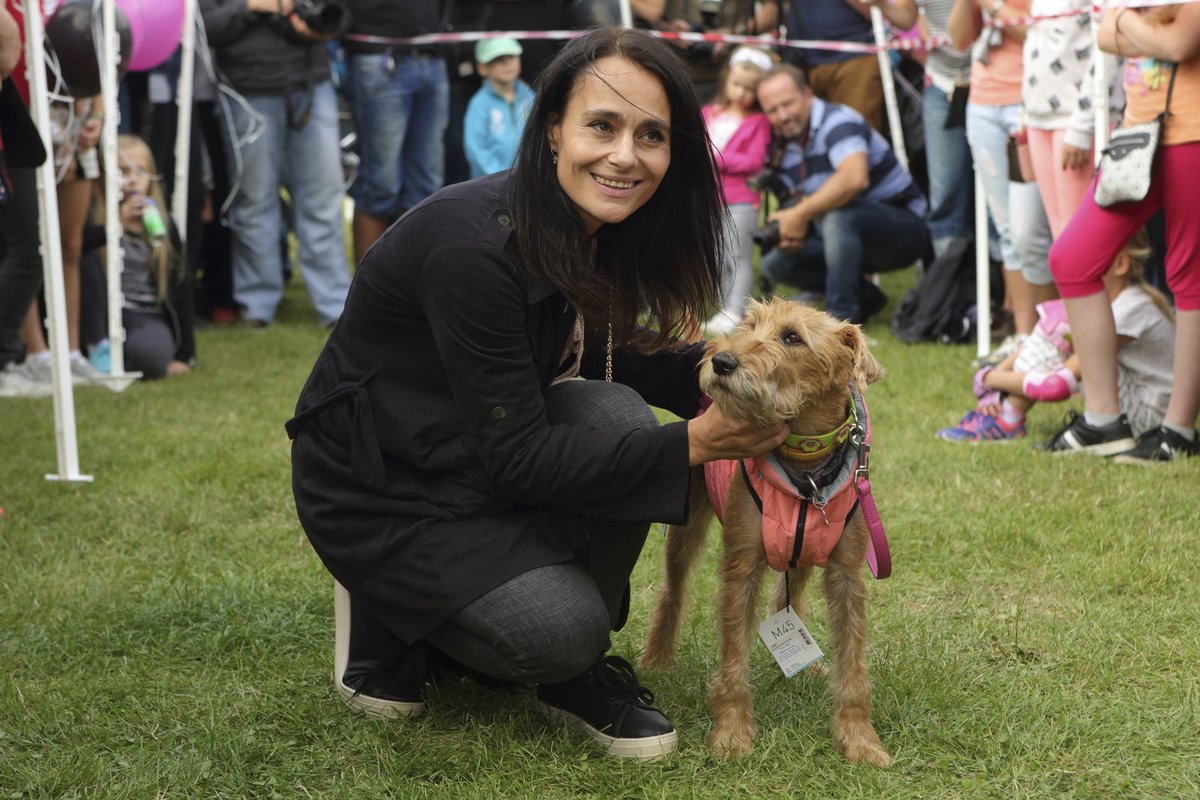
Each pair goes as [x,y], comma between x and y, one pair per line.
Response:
[852,208]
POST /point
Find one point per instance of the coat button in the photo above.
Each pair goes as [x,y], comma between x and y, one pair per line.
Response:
[498,413]
[504,220]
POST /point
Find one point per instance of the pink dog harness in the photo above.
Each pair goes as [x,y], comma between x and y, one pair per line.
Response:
[802,524]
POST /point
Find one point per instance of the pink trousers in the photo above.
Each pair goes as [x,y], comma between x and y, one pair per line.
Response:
[1095,235]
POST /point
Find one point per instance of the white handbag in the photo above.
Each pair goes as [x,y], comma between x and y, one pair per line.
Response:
[1127,163]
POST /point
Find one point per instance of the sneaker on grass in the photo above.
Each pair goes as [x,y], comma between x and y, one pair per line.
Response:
[1077,436]
[979,427]
[15,383]
[610,706]
[1158,446]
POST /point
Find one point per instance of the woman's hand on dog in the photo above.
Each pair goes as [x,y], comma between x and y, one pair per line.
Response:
[714,435]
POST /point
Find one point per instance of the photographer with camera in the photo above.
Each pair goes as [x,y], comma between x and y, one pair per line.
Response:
[847,206]
[283,131]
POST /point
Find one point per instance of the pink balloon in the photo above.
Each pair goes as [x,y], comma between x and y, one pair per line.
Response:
[133,13]
[156,31]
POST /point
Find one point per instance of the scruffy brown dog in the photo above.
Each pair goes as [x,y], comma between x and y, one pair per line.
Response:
[785,361]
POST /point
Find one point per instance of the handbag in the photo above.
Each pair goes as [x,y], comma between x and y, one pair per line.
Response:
[1128,160]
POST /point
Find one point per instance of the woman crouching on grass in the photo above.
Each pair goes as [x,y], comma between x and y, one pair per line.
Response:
[474,498]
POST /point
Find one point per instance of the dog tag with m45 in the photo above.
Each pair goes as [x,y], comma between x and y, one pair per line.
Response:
[789,641]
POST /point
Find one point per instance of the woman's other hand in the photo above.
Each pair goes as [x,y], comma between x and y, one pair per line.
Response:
[714,435]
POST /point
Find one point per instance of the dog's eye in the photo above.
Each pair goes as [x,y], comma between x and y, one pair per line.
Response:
[792,338]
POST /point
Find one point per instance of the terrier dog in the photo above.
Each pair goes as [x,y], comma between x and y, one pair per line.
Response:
[789,362]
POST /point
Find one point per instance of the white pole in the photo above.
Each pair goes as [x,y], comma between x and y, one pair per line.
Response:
[109,53]
[626,13]
[52,266]
[983,271]
[183,133]
[1099,95]
[889,87]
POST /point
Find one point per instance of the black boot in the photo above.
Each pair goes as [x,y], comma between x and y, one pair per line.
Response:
[374,672]
[609,705]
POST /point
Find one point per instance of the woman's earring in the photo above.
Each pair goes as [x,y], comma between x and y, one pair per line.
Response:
[554,156]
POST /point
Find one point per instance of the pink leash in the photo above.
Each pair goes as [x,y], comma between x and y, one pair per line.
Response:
[879,556]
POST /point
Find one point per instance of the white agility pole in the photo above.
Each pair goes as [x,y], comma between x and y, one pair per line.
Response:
[52,267]
[1099,95]
[889,87]
[109,56]
[183,131]
[983,271]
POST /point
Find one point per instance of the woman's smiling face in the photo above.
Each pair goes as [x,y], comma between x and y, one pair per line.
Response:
[613,141]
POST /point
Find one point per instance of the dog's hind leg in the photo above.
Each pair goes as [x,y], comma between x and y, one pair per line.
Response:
[684,546]
[846,598]
[742,565]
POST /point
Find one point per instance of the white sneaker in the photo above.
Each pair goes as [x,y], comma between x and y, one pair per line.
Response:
[14,383]
[82,370]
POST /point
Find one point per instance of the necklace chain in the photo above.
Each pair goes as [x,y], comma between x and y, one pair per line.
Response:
[608,354]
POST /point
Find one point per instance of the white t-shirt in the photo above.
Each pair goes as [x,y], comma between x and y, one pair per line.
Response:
[1146,364]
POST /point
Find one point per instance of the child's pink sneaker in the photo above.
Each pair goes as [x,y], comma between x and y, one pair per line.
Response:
[1049,387]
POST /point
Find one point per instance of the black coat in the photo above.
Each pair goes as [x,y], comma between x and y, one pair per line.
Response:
[424,469]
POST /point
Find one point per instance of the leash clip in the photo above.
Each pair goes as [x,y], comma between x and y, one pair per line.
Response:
[818,500]
[859,439]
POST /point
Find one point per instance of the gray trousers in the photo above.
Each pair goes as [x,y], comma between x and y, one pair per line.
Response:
[553,622]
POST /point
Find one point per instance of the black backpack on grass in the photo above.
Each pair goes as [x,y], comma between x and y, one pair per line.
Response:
[941,307]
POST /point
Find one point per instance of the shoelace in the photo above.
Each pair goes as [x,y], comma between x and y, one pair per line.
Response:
[616,676]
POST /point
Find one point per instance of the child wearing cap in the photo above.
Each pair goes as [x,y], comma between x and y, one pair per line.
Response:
[497,112]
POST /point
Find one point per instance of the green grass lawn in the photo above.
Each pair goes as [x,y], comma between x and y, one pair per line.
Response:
[166,631]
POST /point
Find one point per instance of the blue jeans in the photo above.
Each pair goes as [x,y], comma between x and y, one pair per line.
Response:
[859,237]
[950,189]
[401,108]
[297,147]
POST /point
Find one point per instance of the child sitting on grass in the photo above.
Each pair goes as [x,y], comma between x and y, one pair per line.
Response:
[157,308]
[1043,368]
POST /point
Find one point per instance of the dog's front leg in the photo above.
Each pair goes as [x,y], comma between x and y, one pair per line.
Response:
[684,545]
[846,598]
[742,565]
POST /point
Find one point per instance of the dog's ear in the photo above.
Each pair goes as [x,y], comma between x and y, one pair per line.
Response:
[866,369]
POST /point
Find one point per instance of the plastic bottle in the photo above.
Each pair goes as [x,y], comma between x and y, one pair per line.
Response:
[152,220]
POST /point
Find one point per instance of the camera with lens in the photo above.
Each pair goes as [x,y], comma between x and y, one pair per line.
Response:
[770,180]
[328,18]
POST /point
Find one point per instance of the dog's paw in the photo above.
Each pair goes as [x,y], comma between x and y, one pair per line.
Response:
[860,744]
[658,661]
[732,743]
[870,754]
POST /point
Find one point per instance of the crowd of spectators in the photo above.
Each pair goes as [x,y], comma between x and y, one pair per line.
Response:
[289,118]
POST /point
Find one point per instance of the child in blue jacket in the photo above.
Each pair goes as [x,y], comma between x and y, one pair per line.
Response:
[496,114]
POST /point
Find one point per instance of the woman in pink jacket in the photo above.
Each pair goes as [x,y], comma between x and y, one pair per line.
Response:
[740,133]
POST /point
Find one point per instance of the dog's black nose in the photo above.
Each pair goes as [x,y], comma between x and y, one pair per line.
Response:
[724,362]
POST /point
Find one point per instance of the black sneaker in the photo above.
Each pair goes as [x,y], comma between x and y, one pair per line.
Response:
[1157,446]
[1076,436]
[375,673]
[609,705]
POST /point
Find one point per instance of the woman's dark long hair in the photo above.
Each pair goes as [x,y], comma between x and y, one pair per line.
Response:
[665,260]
